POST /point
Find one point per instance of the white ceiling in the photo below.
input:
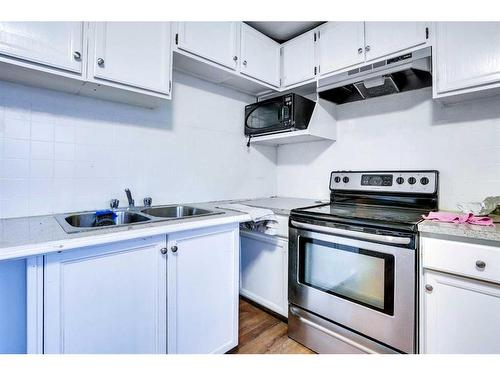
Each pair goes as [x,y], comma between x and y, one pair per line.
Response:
[282,31]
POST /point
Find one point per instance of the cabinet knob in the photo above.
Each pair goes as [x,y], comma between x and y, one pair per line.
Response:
[429,288]
[480,264]
[163,250]
[360,50]
[235,58]
[245,62]
[174,249]
[77,55]
[367,48]
[100,61]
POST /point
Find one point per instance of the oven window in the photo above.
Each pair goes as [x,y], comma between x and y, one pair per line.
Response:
[265,116]
[362,276]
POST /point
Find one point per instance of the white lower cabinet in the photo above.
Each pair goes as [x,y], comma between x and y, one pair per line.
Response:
[203,290]
[106,299]
[460,297]
[264,270]
[460,315]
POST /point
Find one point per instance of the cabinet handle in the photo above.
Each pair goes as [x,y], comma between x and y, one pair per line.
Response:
[480,264]
[429,288]
[367,48]
[163,250]
[360,50]
[174,249]
[77,55]
[245,62]
[100,61]
[235,58]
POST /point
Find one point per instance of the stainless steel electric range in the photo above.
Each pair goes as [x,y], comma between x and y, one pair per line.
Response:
[353,263]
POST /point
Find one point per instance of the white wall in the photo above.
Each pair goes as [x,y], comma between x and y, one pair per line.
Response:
[61,152]
[405,131]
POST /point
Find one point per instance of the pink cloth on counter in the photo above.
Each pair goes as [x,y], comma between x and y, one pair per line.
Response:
[450,217]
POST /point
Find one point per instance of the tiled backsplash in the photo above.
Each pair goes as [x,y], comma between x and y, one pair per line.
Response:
[61,152]
[404,131]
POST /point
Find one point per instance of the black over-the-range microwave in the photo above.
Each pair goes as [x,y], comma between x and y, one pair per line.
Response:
[282,113]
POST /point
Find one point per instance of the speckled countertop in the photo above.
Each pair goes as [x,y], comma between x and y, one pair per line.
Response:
[281,205]
[478,232]
[35,235]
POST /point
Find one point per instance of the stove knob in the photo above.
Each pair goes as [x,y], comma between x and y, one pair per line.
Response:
[345,179]
[412,180]
[424,180]
[337,179]
[400,180]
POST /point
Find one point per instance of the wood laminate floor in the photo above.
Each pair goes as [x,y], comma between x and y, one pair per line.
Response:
[263,333]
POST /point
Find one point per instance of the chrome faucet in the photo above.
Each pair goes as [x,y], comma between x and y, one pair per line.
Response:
[129,198]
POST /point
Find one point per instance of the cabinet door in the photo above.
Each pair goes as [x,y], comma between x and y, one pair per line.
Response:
[264,270]
[298,59]
[215,41]
[136,54]
[340,45]
[260,56]
[460,315]
[106,299]
[385,38]
[53,44]
[203,291]
[466,54]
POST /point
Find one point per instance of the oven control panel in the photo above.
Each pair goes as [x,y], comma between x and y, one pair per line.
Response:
[422,182]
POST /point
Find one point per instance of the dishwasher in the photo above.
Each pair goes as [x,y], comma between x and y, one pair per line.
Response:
[264,266]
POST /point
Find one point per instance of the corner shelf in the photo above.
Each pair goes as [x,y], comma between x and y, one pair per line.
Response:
[322,127]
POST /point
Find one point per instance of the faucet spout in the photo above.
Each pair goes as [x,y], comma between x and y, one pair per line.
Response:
[129,198]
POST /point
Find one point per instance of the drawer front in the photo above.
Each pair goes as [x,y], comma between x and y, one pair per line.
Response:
[473,260]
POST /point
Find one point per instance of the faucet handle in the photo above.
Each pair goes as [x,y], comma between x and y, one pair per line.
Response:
[147,201]
[114,203]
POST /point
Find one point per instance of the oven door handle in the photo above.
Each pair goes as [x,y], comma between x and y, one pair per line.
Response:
[361,235]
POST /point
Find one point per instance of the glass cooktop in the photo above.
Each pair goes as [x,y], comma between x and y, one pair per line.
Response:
[364,212]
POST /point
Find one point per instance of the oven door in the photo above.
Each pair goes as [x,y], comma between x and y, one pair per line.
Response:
[365,286]
[267,117]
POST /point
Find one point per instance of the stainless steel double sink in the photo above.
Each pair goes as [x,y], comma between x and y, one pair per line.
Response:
[85,221]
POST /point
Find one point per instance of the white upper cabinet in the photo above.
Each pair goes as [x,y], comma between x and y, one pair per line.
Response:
[260,56]
[298,59]
[466,57]
[215,41]
[135,54]
[385,38]
[340,45]
[52,44]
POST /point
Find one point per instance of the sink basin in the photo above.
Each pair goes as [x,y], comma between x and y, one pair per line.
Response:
[177,212]
[88,220]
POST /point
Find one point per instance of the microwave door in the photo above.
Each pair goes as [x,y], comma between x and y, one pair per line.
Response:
[264,118]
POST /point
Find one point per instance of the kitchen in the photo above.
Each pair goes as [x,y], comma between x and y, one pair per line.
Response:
[249,187]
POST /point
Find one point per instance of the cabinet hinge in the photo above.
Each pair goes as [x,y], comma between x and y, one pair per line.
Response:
[314,36]
[315,70]
[177,39]
[426,33]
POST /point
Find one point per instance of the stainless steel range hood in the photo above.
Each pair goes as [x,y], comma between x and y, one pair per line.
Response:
[407,72]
